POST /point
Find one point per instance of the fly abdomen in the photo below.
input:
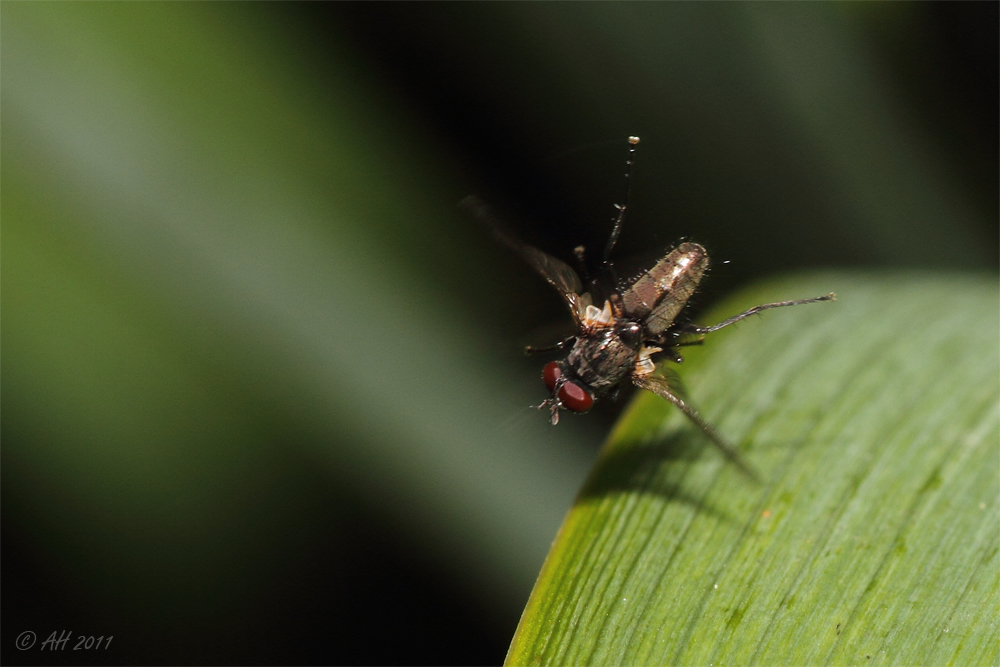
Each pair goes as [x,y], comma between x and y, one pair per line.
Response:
[660,294]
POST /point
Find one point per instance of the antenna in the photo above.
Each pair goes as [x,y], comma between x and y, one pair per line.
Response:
[620,218]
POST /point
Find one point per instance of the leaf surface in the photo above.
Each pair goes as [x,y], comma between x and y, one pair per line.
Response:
[873,538]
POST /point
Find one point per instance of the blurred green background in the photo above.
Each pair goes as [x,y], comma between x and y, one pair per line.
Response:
[263,395]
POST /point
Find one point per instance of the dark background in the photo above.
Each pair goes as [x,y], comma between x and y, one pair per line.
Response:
[781,137]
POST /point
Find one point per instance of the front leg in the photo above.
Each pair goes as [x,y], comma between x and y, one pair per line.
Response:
[561,345]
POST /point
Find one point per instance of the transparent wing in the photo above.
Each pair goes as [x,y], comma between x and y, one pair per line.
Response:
[670,389]
[559,274]
[673,381]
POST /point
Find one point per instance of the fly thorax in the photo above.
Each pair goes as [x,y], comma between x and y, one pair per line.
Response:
[603,359]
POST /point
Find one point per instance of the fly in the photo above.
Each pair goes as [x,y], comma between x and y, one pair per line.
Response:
[622,339]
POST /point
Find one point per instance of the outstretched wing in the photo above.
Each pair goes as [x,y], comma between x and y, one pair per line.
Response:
[659,295]
[661,386]
[559,274]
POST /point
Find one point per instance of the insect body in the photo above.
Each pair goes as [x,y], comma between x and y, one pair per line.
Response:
[616,341]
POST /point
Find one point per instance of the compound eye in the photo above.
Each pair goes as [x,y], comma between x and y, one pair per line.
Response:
[550,374]
[575,398]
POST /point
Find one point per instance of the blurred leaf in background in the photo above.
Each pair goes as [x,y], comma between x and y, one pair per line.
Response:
[263,399]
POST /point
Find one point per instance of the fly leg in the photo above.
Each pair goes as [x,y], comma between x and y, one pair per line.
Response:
[620,218]
[673,355]
[561,345]
[695,329]
[660,387]
[689,343]
[607,267]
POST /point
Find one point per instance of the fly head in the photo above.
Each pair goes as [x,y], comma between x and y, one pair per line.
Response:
[600,360]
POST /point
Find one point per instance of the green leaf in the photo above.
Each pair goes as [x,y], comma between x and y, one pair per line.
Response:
[873,538]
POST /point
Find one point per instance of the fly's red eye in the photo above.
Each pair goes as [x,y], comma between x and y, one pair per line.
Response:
[550,374]
[575,397]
